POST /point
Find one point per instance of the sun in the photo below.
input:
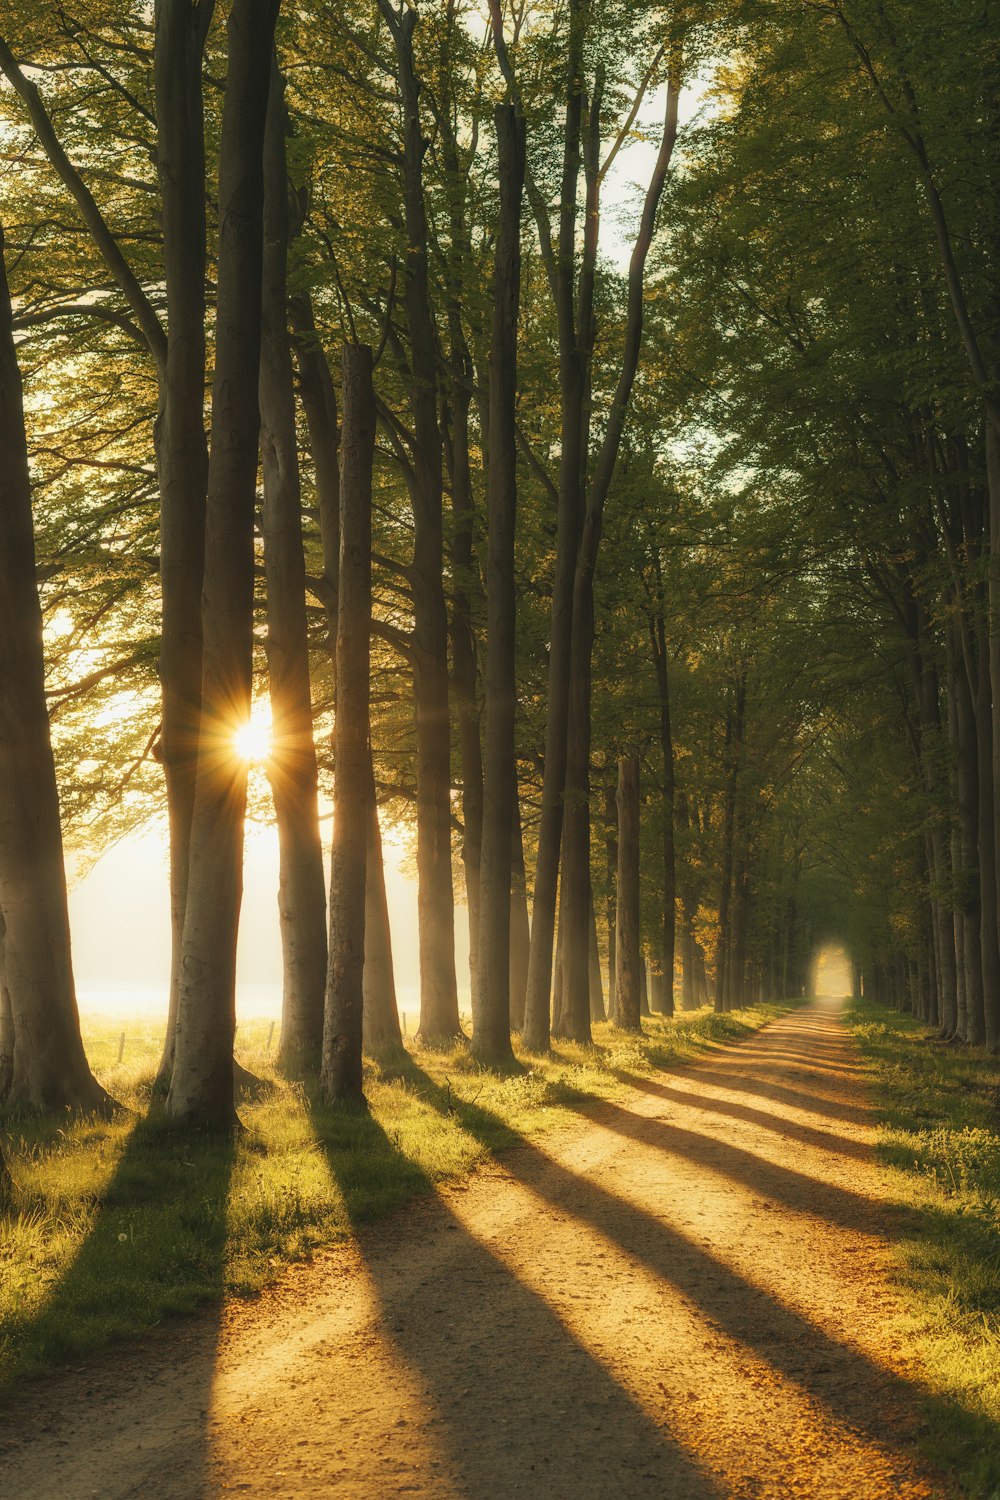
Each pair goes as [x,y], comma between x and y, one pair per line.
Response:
[252,741]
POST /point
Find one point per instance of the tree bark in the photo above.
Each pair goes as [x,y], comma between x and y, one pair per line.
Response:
[201,1088]
[292,765]
[6,1025]
[668,942]
[6,1184]
[439,1018]
[576,832]
[380,1014]
[597,1011]
[520,935]
[628,977]
[181,446]
[611,856]
[341,1077]
[491,1002]
[50,1069]
[568,519]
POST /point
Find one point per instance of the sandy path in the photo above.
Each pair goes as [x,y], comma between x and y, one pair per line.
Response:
[681,1296]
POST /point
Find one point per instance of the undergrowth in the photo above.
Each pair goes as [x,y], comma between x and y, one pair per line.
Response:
[119,1225]
[940,1134]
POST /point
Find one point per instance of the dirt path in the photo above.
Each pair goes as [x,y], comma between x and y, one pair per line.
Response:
[682,1296]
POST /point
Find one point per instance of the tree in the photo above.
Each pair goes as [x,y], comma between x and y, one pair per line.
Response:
[352,809]
[50,1069]
[292,766]
[628,956]
[201,1086]
[491,1000]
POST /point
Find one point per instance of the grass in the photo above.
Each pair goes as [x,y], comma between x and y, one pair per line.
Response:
[120,1225]
[940,1135]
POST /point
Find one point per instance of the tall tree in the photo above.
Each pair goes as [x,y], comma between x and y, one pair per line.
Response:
[292,764]
[352,807]
[201,1087]
[50,1068]
[491,1001]
[439,1018]
[628,953]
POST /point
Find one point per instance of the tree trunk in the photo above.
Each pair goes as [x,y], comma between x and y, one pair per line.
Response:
[666,958]
[611,855]
[628,977]
[465,669]
[50,1069]
[292,767]
[6,1026]
[491,1003]
[597,1012]
[341,1077]
[181,446]
[520,936]
[380,1013]
[439,1018]
[201,1088]
[568,521]
[6,1185]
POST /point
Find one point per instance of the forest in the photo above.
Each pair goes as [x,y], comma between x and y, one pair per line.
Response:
[573,428]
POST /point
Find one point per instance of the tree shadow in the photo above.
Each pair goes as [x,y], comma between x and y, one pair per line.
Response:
[778,1093]
[155,1247]
[878,1404]
[810,1062]
[808,1135]
[490,1355]
[797,1191]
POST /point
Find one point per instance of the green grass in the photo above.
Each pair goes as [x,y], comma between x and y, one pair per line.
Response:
[940,1110]
[121,1224]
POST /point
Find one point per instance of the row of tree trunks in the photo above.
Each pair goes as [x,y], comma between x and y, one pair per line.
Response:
[576,840]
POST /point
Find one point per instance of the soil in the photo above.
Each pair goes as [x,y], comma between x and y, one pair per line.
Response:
[684,1295]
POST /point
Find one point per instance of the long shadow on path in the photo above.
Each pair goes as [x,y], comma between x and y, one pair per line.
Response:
[808,1135]
[878,1405]
[517,1404]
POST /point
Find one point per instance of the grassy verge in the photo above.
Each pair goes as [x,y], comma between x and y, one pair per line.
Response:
[940,1109]
[120,1225]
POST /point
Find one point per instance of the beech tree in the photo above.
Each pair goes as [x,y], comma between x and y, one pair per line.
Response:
[50,1069]
[201,1085]
[491,1000]
[352,807]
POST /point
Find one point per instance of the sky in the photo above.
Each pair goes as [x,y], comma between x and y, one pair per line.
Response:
[119,916]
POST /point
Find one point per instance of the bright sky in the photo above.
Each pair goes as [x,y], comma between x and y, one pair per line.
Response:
[119,916]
